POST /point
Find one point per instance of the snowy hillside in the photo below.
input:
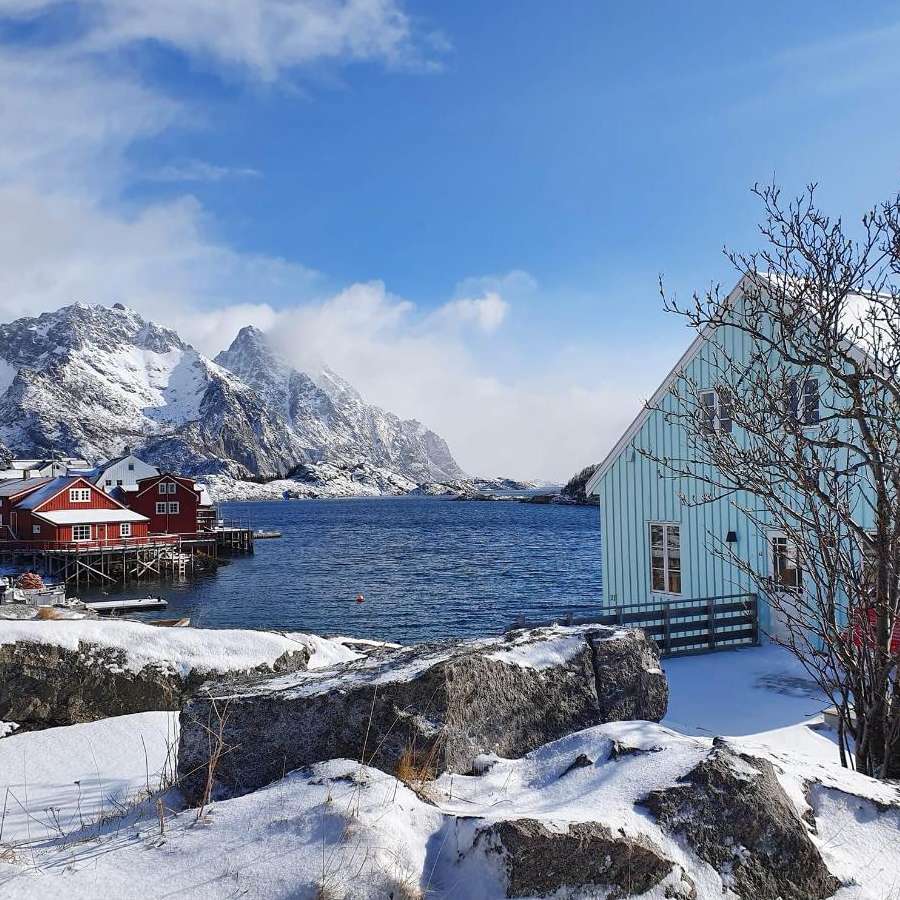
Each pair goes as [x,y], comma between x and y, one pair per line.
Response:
[90,380]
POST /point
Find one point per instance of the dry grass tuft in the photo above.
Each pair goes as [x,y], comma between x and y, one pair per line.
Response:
[415,769]
[48,612]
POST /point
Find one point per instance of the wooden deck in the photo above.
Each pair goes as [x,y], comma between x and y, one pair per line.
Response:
[120,561]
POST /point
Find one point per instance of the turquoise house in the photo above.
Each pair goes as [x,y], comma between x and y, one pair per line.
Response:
[657,550]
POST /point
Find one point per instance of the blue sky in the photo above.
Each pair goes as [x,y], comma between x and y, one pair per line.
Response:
[462,207]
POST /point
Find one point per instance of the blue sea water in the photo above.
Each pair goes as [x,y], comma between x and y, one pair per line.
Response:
[427,567]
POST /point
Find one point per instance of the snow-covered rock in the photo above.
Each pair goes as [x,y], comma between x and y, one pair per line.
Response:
[433,707]
[90,380]
[732,811]
[56,672]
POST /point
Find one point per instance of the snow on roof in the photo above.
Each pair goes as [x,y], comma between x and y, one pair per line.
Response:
[17,485]
[86,516]
[50,489]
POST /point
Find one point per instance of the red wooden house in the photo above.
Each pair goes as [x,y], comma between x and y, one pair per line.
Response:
[49,513]
[170,502]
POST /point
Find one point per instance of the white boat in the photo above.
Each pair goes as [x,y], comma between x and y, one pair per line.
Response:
[132,604]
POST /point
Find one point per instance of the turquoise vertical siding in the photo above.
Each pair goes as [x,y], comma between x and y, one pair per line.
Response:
[634,492]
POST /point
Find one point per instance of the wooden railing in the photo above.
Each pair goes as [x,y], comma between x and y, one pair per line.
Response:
[680,627]
[112,543]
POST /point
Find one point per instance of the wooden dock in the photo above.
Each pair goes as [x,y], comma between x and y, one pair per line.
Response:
[125,561]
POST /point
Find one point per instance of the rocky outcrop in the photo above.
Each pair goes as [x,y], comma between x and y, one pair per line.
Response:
[733,813]
[574,488]
[429,708]
[540,861]
[45,684]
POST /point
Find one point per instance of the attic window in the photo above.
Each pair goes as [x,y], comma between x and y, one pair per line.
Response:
[803,400]
[162,488]
[715,411]
[80,495]
[130,467]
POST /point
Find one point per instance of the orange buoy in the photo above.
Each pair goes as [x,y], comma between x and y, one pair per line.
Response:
[360,598]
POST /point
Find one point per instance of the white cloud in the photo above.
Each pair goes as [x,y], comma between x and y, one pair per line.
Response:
[66,124]
[262,37]
[198,170]
[486,313]
[514,284]
[160,261]
[546,425]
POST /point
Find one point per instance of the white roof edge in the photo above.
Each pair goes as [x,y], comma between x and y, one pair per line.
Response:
[83,516]
[657,395]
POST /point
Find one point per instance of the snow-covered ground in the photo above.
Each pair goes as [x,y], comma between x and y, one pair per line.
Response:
[343,830]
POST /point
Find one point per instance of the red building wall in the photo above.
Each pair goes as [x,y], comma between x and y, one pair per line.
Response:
[146,497]
[24,520]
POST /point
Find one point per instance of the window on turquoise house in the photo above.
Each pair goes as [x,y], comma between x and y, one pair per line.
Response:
[665,558]
[716,410]
[803,399]
[786,570]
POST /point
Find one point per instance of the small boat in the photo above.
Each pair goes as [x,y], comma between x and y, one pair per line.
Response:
[133,604]
[263,535]
[170,623]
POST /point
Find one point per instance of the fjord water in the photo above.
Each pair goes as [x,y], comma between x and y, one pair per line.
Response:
[428,568]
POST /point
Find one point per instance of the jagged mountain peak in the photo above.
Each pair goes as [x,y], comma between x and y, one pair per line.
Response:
[80,325]
[88,380]
[330,417]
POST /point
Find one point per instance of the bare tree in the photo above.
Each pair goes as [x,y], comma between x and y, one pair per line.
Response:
[796,424]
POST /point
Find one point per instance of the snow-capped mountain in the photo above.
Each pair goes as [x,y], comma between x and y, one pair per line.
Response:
[331,420]
[89,380]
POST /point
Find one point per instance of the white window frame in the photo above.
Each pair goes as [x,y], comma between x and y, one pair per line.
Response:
[78,529]
[35,528]
[125,529]
[174,507]
[173,488]
[79,495]
[668,569]
[161,509]
[773,573]
[711,412]
[161,488]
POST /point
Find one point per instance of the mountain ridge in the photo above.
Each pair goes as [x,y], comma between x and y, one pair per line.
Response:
[89,380]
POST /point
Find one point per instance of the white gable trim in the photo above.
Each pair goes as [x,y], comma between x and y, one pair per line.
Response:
[658,394]
[623,442]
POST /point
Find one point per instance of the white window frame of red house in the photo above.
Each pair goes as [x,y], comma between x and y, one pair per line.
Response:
[80,495]
[35,528]
[174,508]
[161,507]
[172,487]
[78,529]
[125,529]
[162,488]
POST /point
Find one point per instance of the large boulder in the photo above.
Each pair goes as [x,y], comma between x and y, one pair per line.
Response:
[71,671]
[421,710]
[732,811]
[539,861]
